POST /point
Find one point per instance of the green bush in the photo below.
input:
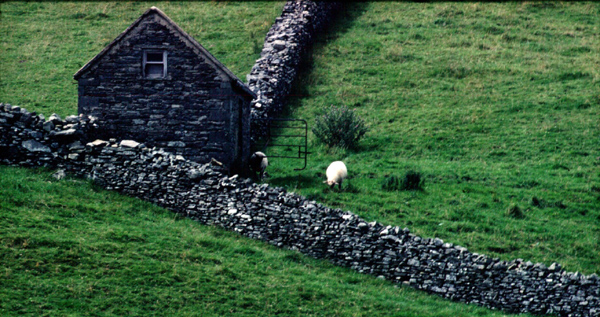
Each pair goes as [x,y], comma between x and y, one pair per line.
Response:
[412,181]
[339,127]
[391,183]
[514,211]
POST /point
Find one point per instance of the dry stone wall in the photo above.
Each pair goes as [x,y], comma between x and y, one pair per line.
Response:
[287,220]
[285,44]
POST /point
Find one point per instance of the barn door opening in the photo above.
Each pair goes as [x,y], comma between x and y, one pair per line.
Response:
[286,138]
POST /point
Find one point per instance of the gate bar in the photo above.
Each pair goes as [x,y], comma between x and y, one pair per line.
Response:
[300,151]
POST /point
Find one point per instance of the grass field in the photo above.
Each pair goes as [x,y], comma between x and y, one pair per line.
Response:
[496,105]
[111,255]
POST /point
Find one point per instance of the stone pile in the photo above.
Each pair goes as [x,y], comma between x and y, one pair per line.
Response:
[206,194]
[285,44]
[31,140]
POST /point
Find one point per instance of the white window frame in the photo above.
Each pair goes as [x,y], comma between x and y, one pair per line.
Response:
[163,62]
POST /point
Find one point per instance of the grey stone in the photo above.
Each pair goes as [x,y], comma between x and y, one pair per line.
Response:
[48,126]
[278,45]
[98,143]
[72,119]
[59,174]
[176,144]
[55,119]
[129,143]
[35,146]
[65,133]
[75,146]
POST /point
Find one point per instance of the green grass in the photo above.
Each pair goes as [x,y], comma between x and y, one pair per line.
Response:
[496,105]
[43,44]
[69,248]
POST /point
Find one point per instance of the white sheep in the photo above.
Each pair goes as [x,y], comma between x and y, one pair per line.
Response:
[336,173]
[258,163]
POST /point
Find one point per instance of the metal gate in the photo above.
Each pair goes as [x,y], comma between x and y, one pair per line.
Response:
[291,136]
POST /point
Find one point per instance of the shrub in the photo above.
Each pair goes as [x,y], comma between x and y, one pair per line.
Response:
[536,202]
[391,183]
[339,127]
[515,211]
[412,181]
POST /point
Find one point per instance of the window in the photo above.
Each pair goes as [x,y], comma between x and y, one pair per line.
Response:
[155,64]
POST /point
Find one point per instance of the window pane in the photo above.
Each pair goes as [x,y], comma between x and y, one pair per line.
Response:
[154,70]
[154,57]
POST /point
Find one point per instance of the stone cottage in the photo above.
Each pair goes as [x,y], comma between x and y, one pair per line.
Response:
[157,85]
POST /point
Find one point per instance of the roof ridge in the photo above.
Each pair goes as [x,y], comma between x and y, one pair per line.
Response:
[209,57]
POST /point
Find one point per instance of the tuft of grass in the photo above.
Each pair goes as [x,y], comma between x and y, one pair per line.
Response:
[514,211]
[411,181]
[391,183]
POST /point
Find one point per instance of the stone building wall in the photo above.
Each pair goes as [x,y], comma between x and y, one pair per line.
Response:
[287,220]
[159,123]
[194,111]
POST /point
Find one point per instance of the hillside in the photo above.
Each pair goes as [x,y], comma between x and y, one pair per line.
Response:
[485,101]
[497,106]
[71,248]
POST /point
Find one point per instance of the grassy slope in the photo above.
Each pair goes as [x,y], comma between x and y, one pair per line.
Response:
[485,134]
[496,104]
[112,255]
[70,248]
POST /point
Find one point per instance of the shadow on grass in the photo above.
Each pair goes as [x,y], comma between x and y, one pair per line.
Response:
[340,24]
[346,188]
[298,181]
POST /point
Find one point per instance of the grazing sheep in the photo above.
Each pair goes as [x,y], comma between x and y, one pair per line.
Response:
[336,173]
[258,163]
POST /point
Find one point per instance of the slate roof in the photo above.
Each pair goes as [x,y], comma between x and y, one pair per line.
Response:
[236,82]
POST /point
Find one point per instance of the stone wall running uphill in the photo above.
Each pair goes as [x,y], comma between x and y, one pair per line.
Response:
[285,45]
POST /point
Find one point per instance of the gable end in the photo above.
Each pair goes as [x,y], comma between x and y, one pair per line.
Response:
[157,16]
